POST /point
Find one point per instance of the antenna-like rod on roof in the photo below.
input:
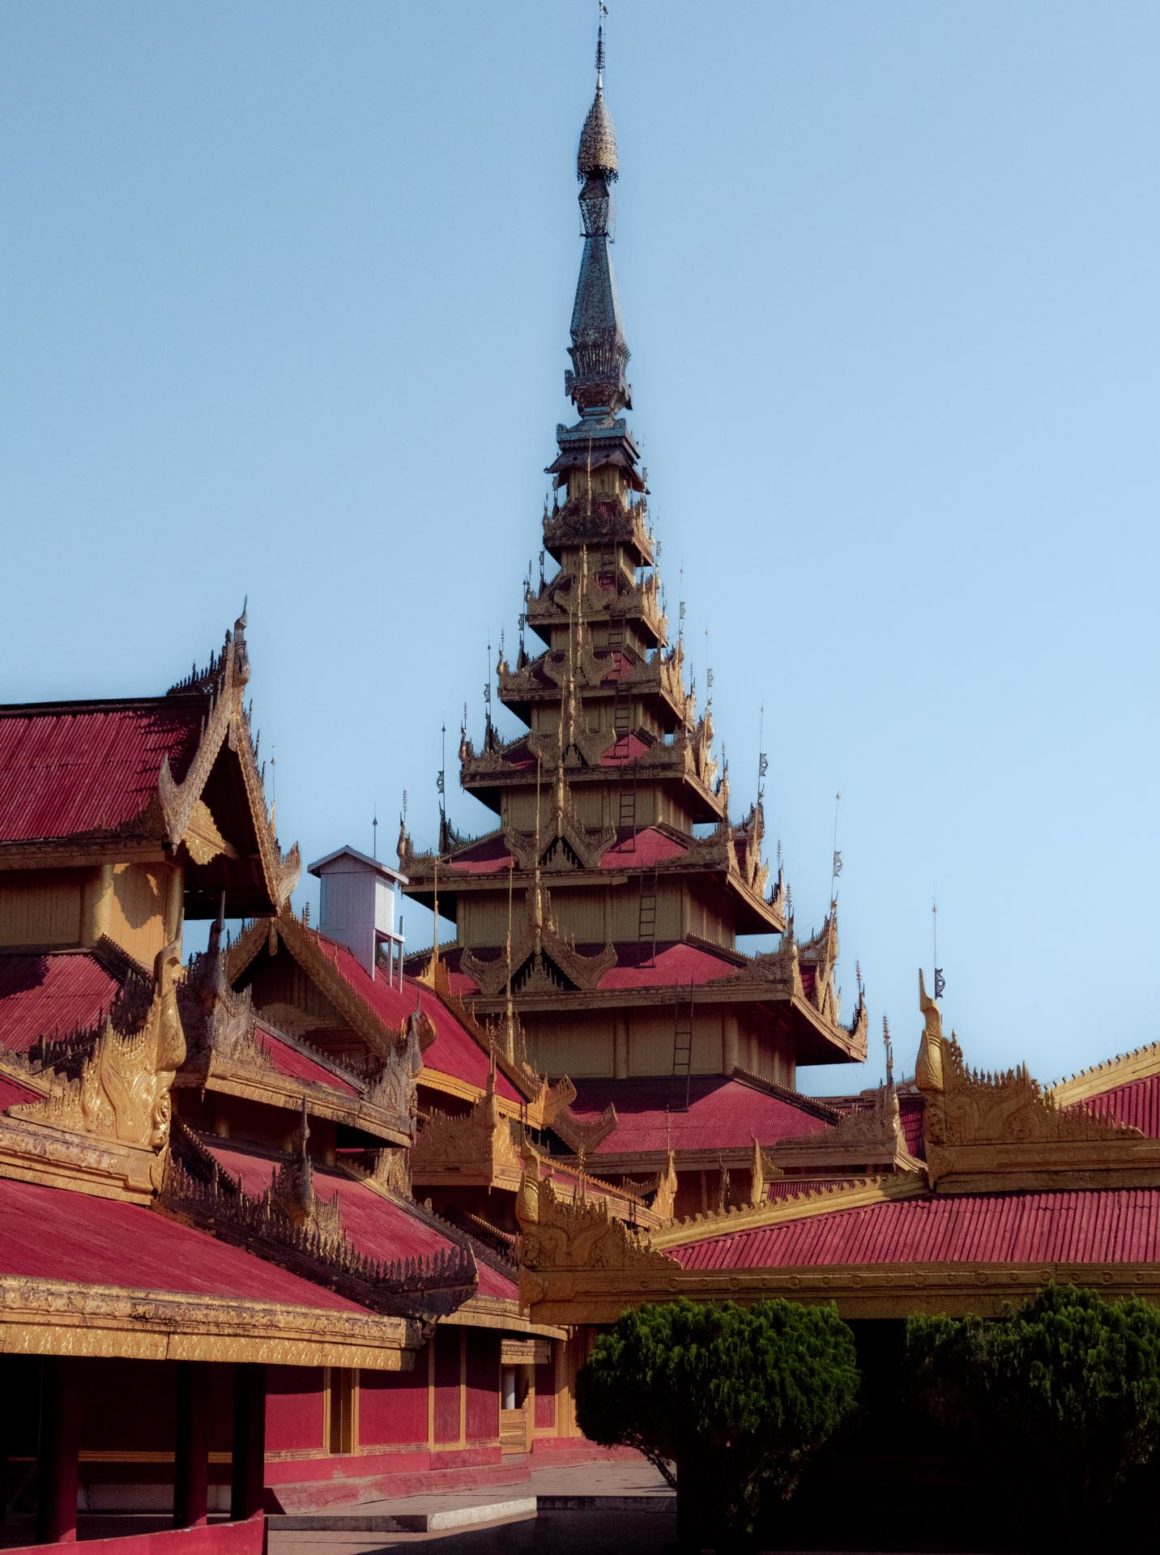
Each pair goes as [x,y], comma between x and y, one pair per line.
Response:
[601,13]
[762,758]
[889,1046]
[375,832]
[836,868]
[940,981]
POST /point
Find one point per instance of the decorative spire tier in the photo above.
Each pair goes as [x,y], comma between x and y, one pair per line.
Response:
[606,905]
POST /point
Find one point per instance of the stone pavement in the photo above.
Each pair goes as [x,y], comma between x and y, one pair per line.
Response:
[586,1509]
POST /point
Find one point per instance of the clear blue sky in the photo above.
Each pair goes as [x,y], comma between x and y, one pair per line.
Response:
[284,311]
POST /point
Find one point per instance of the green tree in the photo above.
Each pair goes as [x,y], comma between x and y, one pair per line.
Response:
[1061,1400]
[728,1402]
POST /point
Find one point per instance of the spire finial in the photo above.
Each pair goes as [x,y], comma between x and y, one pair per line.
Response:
[602,12]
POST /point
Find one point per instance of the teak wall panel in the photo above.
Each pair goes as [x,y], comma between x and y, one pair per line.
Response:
[652,1036]
[579,1051]
[42,908]
[136,910]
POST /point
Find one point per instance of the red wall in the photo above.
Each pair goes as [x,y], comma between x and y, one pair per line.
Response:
[215,1539]
[482,1385]
[295,1408]
[447,1384]
[546,1394]
[392,1406]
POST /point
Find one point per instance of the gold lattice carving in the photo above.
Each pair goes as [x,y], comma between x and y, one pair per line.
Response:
[477,1146]
[555,1235]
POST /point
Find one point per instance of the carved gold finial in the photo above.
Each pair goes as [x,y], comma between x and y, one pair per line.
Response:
[928,1068]
[528,1197]
[757,1176]
[665,1199]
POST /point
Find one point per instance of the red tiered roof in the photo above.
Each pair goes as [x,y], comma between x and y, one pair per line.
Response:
[491,856]
[1136,1104]
[623,752]
[1113,1225]
[674,966]
[723,1113]
[377,1226]
[454,1052]
[48,1233]
[70,769]
[51,996]
[642,848]
[296,1065]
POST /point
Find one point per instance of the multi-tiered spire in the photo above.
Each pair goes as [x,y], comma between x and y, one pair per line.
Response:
[596,383]
[607,903]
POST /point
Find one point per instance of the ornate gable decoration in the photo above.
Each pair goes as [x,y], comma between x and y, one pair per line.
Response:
[115,1083]
[986,1130]
[541,958]
[555,1235]
[477,1147]
[186,816]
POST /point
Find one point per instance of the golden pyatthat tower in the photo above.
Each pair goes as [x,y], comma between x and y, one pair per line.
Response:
[598,922]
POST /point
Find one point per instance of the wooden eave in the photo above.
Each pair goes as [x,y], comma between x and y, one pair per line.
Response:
[1140,1064]
[80,1163]
[90,850]
[56,1317]
[272,1089]
[762,916]
[877,1290]
[832,1044]
[488,785]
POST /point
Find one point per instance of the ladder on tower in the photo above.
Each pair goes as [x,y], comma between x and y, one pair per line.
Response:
[647,917]
[683,1043]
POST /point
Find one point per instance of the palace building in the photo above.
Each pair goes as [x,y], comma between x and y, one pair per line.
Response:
[307,1219]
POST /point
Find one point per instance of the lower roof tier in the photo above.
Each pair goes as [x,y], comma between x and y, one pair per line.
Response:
[786,993]
[606,859]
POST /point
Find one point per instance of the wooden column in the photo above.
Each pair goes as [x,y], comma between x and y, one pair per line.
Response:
[191,1456]
[249,1454]
[56,1502]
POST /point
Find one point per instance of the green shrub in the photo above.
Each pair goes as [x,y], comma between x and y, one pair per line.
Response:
[728,1402]
[1061,1399]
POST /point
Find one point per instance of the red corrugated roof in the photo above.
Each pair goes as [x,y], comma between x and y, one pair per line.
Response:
[1113,1225]
[11,1092]
[47,1233]
[73,768]
[454,1052]
[641,848]
[1136,1104]
[723,1114]
[674,965]
[489,857]
[624,751]
[296,1065]
[51,996]
[377,1226]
